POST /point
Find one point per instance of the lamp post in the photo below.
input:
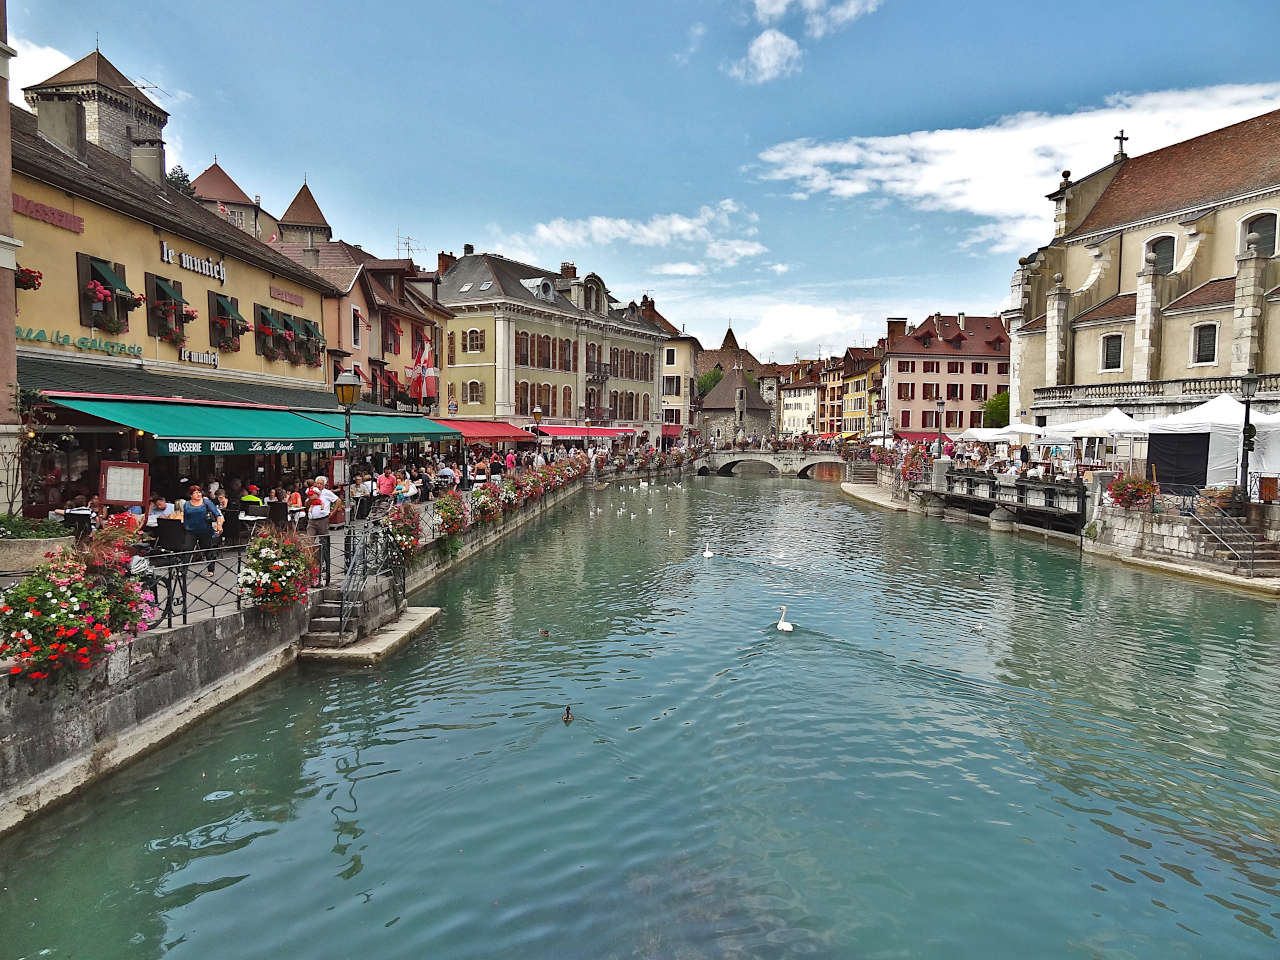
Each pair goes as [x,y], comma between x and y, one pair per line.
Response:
[586,443]
[1248,387]
[942,405]
[346,389]
[537,422]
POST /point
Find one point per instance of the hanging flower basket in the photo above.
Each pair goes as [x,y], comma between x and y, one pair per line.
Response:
[109,323]
[27,279]
[189,315]
[270,352]
[173,334]
[133,301]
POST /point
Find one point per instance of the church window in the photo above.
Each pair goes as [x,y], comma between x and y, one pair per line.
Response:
[1264,225]
[1163,248]
[1204,343]
[1112,351]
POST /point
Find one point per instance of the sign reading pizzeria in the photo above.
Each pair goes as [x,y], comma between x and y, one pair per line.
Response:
[205,265]
[174,448]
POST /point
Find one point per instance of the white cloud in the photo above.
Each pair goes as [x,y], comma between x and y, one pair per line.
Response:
[33,64]
[682,269]
[771,55]
[820,16]
[716,230]
[768,11]
[1001,172]
[779,268]
[696,32]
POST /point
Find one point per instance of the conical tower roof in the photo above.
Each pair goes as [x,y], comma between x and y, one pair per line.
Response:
[214,184]
[730,341]
[304,211]
[95,68]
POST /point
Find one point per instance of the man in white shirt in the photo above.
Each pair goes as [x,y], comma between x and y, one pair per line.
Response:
[160,510]
[319,503]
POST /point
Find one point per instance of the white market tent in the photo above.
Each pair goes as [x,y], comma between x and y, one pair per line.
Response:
[1202,446]
[1114,423]
[984,434]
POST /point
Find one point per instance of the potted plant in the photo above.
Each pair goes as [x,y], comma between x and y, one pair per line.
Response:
[132,301]
[1132,492]
[25,278]
[98,294]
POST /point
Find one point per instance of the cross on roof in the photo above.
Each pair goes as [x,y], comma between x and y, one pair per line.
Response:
[1121,139]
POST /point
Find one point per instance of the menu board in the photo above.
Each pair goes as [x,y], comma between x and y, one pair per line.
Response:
[338,470]
[124,484]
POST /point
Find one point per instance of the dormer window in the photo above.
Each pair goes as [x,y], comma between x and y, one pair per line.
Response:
[1264,225]
[1163,249]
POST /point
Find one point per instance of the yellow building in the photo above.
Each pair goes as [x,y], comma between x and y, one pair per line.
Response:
[1160,286]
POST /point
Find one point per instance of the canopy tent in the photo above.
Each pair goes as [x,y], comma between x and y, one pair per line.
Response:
[984,435]
[1017,429]
[1202,446]
[188,427]
[487,431]
[1114,423]
[920,436]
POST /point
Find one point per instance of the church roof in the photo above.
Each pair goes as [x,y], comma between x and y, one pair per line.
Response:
[214,184]
[724,395]
[304,211]
[1207,169]
[95,68]
[730,342]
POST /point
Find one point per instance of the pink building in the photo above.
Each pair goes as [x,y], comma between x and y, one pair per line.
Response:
[962,361]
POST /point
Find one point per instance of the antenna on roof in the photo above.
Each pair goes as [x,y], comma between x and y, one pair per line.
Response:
[95,41]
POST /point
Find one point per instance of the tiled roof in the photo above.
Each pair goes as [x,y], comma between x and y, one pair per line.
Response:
[943,336]
[1039,323]
[1215,166]
[725,360]
[1117,307]
[304,211]
[724,395]
[127,379]
[105,178]
[214,184]
[95,68]
[1212,293]
[730,342]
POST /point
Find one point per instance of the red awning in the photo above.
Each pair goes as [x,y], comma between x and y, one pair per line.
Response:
[363,376]
[390,378]
[919,436]
[671,429]
[391,321]
[574,433]
[826,436]
[488,431]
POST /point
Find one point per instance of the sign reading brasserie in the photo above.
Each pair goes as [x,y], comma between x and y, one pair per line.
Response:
[288,297]
[59,339]
[48,214]
[204,265]
[200,447]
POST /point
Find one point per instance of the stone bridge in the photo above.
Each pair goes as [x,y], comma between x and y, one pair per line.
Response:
[789,463]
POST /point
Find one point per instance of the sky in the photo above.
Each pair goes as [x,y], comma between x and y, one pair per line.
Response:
[800,169]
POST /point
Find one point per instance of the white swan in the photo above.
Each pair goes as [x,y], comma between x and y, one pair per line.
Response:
[977,628]
[707,552]
[633,516]
[670,532]
[783,625]
[651,509]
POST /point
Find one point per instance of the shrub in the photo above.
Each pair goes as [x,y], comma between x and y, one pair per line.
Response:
[277,570]
[16,527]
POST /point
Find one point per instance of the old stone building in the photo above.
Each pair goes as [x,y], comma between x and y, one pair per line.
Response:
[303,222]
[1160,286]
[216,191]
[735,410]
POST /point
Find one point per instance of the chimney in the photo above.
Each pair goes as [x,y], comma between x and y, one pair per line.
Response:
[468,249]
[311,257]
[62,121]
[147,158]
[568,270]
[444,263]
[897,327]
[961,323]
[257,199]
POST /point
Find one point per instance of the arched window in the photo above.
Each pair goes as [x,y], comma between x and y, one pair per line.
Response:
[613,404]
[591,358]
[591,402]
[629,413]
[522,349]
[475,391]
[645,409]
[566,354]
[522,398]
[548,360]
[614,369]
[567,403]
[474,342]
[1264,225]
[1163,248]
[1204,343]
[544,398]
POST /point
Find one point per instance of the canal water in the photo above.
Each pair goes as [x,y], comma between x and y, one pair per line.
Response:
[970,746]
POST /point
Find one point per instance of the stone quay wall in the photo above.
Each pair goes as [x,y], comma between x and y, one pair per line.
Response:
[1139,533]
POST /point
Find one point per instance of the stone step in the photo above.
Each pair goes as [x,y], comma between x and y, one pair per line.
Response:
[315,638]
[331,608]
[325,624]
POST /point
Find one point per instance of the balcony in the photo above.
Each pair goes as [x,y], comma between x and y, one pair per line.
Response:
[1188,391]
[597,372]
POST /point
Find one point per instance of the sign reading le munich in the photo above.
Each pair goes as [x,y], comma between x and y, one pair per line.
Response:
[205,265]
[175,447]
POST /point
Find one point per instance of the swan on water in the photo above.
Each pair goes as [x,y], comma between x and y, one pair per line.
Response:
[707,552]
[568,715]
[783,625]
[977,628]
[670,532]
[651,509]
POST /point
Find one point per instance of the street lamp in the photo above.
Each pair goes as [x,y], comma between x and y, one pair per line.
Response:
[942,405]
[1248,387]
[586,443]
[346,389]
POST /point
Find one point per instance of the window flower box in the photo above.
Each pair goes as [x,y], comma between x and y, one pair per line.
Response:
[26,278]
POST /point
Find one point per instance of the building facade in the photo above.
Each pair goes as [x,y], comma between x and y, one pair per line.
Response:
[734,411]
[525,338]
[218,193]
[799,406]
[1160,286]
[680,352]
[940,373]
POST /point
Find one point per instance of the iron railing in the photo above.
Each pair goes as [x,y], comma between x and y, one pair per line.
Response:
[371,551]
[1223,529]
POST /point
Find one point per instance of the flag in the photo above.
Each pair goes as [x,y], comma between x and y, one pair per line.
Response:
[222,208]
[272,239]
[422,375]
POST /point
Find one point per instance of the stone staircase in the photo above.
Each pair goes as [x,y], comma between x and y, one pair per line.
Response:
[860,471]
[1227,545]
[326,620]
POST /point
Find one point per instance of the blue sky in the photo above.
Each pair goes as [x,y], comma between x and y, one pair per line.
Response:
[802,167]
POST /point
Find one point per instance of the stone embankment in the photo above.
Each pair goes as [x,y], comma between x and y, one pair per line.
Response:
[55,741]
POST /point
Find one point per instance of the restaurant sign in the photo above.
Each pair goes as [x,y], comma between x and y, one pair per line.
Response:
[115,348]
[208,358]
[174,448]
[205,265]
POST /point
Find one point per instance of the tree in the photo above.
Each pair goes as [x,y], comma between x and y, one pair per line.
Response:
[179,180]
[20,457]
[707,382]
[995,412]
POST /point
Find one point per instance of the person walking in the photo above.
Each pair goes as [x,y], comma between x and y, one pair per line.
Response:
[202,522]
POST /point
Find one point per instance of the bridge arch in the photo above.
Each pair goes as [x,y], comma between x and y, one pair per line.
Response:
[787,463]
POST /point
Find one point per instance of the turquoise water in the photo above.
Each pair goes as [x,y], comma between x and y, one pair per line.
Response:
[1093,774]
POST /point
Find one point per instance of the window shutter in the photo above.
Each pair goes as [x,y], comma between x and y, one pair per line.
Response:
[178,318]
[452,353]
[575,356]
[83,276]
[153,298]
[121,312]
[215,332]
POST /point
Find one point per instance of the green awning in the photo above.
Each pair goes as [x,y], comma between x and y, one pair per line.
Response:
[209,428]
[312,329]
[169,293]
[108,276]
[292,323]
[268,318]
[228,308]
[375,428]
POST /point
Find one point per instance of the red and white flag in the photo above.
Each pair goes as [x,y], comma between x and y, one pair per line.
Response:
[222,208]
[422,376]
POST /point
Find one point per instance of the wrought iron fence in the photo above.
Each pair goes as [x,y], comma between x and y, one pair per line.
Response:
[1224,531]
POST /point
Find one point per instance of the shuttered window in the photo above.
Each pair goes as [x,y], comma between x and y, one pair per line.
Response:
[1206,343]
